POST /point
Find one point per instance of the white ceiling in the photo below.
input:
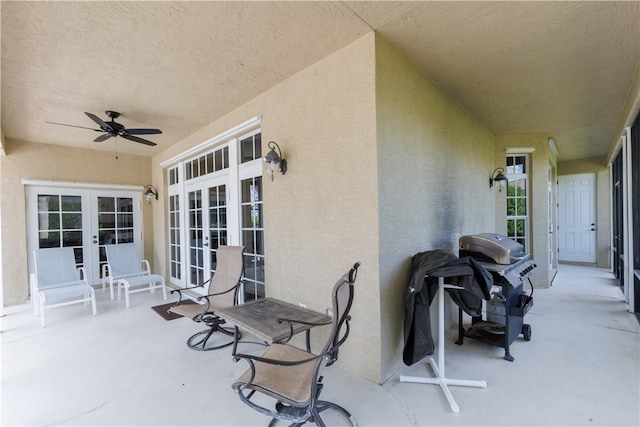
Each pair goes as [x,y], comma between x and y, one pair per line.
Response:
[565,69]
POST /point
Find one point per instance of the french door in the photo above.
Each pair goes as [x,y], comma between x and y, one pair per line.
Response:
[84,218]
[208,227]
[215,198]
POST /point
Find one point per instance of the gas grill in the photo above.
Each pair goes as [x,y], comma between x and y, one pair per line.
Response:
[509,265]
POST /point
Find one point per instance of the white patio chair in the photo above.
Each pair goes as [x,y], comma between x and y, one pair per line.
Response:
[125,268]
[57,280]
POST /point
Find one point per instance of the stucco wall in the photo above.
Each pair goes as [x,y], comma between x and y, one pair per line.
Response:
[433,166]
[597,165]
[28,160]
[321,216]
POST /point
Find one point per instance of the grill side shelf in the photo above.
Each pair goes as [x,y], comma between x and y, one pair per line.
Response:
[521,311]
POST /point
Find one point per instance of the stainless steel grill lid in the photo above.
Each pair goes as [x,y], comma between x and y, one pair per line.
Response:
[497,248]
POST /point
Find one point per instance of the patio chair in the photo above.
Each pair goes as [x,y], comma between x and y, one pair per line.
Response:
[58,280]
[222,290]
[292,376]
[125,269]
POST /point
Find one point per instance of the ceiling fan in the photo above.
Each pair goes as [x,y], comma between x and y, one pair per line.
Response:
[112,128]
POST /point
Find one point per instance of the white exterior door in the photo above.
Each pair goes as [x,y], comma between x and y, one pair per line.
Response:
[84,218]
[215,197]
[577,218]
[210,223]
[115,219]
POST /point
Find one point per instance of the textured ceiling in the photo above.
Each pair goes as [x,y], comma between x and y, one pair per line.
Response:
[560,68]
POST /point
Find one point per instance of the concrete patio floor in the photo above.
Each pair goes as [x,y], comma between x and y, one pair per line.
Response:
[131,367]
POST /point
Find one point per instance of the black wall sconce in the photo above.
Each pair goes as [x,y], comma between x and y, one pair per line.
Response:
[272,159]
[150,192]
[498,178]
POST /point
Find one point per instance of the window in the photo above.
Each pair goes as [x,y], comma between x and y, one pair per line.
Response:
[207,164]
[518,199]
[215,198]
[251,148]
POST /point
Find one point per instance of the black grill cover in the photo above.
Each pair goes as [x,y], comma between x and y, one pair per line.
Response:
[423,286]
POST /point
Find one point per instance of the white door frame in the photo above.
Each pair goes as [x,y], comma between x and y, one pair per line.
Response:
[89,193]
[581,226]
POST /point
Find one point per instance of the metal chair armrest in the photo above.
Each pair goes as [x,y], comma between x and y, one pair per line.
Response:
[106,271]
[146,268]
[252,358]
[179,291]
[233,288]
[302,322]
[82,273]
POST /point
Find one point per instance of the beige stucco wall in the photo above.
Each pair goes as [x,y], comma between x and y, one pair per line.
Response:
[28,160]
[374,184]
[597,165]
[542,160]
[321,216]
[433,165]
[382,165]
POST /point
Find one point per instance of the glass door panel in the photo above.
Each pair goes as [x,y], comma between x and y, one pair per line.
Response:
[207,229]
[115,224]
[60,223]
[196,240]
[253,238]
[83,218]
[218,227]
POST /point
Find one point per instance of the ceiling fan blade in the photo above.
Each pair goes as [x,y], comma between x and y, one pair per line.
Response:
[103,125]
[140,140]
[103,137]
[141,131]
[74,126]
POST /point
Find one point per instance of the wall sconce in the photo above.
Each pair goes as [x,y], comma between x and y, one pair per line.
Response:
[150,192]
[498,177]
[272,159]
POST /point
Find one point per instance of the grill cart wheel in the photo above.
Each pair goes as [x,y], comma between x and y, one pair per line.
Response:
[526,331]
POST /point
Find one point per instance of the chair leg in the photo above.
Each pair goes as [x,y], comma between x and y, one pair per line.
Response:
[123,285]
[93,304]
[199,343]
[323,405]
[36,304]
[41,310]
[126,295]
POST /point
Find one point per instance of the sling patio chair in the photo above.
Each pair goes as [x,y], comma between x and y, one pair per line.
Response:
[222,290]
[125,269]
[58,282]
[292,376]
